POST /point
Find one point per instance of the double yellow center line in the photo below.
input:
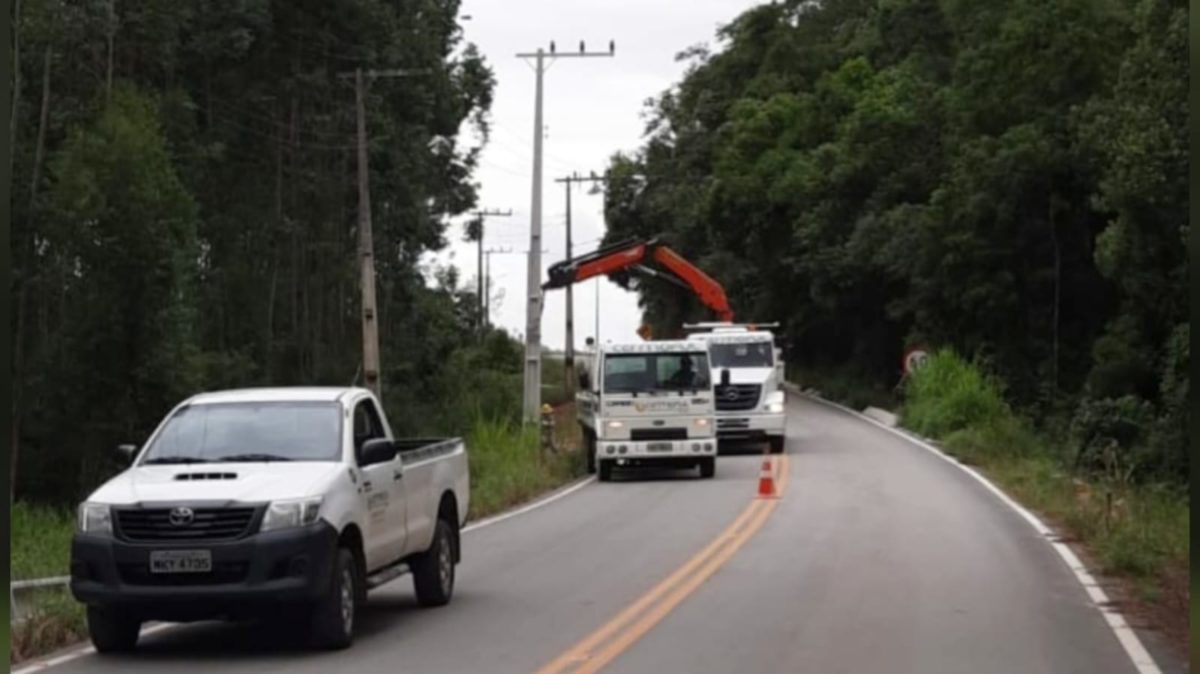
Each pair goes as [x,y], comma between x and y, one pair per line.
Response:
[614,637]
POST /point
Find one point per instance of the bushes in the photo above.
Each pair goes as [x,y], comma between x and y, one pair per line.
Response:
[41,540]
[508,466]
[948,395]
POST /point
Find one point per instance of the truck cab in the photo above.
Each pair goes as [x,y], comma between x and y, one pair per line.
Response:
[648,404]
[752,405]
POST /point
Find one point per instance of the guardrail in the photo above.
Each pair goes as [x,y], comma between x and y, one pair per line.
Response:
[21,586]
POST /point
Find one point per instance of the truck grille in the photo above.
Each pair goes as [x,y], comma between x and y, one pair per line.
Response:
[738,396]
[207,524]
[639,434]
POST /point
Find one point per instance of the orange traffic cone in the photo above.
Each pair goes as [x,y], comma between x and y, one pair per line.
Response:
[766,481]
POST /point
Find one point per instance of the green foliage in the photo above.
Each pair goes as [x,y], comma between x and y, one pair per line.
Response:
[508,466]
[193,226]
[41,541]
[948,394]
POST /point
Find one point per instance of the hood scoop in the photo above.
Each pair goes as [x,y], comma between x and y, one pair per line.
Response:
[190,477]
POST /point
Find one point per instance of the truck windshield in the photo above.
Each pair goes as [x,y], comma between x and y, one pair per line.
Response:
[741,354]
[643,372]
[242,432]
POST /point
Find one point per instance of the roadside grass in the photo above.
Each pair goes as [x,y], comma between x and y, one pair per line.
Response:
[509,466]
[52,621]
[1135,531]
[41,541]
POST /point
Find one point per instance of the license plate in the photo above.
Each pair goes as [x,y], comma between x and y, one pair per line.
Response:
[180,561]
[659,447]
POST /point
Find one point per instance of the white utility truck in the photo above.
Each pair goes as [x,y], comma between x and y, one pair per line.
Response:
[648,404]
[751,405]
[287,503]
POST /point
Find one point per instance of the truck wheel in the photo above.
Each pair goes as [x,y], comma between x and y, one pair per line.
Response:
[606,468]
[777,442]
[332,622]
[708,467]
[433,570]
[589,441]
[112,632]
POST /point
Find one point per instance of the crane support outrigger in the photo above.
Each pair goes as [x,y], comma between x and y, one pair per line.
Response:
[635,254]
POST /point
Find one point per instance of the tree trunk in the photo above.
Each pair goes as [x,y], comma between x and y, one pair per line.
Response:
[16,96]
[1057,298]
[39,149]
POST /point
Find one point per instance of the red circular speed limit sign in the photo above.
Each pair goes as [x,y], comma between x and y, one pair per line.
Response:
[914,358]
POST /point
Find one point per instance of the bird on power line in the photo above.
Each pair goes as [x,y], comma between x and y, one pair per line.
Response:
[612,46]
[552,46]
[581,46]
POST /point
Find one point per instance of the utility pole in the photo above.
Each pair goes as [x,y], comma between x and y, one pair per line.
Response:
[487,275]
[533,307]
[366,242]
[480,215]
[569,354]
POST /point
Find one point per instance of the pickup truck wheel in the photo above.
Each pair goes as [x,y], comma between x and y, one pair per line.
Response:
[777,442]
[112,632]
[606,469]
[433,570]
[332,622]
[708,467]
[590,451]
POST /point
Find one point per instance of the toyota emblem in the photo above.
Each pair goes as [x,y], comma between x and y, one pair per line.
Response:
[181,516]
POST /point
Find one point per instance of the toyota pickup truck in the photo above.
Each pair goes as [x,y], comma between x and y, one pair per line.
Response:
[648,404]
[287,503]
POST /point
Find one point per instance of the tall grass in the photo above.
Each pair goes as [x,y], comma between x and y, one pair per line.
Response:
[509,466]
[41,541]
[1135,530]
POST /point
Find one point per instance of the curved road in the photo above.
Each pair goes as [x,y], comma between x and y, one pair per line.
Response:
[879,557]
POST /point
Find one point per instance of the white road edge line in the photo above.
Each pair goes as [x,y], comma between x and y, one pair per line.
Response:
[1141,658]
[563,492]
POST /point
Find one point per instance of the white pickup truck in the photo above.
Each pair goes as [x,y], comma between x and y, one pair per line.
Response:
[284,502]
[648,404]
[752,405]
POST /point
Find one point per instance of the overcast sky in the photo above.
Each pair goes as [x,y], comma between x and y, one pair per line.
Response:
[593,108]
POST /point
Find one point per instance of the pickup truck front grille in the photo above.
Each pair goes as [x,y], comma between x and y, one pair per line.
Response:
[641,434]
[738,397]
[155,525]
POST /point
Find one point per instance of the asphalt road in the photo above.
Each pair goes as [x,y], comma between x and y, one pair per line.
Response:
[878,557]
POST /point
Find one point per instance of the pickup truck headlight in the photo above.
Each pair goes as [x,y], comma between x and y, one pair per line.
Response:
[287,514]
[95,518]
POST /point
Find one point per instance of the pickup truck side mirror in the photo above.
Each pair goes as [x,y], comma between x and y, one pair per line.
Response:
[378,450]
[128,451]
[724,376]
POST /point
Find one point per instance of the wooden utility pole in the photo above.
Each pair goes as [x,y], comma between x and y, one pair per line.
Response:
[366,243]
[569,352]
[480,216]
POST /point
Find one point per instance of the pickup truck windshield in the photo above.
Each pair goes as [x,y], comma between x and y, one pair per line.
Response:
[245,432]
[741,354]
[644,372]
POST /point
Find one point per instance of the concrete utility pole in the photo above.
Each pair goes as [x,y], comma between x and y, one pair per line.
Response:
[533,307]
[480,215]
[366,242]
[569,354]
[487,275]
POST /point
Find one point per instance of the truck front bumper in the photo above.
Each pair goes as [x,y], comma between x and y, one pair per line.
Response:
[249,575]
[656,452]
[750,425]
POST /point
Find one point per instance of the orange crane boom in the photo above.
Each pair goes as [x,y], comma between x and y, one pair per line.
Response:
[634,255]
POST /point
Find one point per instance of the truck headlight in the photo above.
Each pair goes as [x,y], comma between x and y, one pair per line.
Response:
[294,513]
[614,425]
[95,518]
[775,408]
[702,422]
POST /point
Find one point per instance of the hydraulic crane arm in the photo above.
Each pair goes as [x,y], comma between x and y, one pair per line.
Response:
[634,255]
